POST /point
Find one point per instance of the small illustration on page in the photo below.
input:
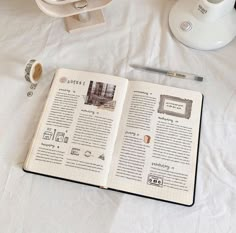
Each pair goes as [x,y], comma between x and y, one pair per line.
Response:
[102,157]
[110,106]
[88,154]
[75,151]
[101,95]
[147,139]
[63,80]
[155,180]
[49,134]
[66,139]
[175,106]
[60,137]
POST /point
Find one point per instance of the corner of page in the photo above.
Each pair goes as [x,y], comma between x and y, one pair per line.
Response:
[25,166]
[191,204]
[60,70]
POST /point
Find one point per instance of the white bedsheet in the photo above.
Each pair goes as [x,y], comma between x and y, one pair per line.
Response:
[136,32]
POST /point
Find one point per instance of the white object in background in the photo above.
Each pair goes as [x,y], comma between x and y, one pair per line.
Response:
[78,15]
[203,24]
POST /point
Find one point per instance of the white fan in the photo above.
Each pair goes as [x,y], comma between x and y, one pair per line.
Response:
[204,24]
[78,15]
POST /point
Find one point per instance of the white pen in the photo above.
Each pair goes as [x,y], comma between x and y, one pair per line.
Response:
[175,74]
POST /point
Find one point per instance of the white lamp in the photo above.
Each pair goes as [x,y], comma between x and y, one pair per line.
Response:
[203,24]
[78,14]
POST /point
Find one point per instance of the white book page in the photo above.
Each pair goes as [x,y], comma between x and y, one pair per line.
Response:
[76,134]
[157,144]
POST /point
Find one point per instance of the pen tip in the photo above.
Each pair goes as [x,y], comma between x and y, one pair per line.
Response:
[134,66]
[198,78]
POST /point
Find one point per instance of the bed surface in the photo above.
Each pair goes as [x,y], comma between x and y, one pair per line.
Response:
[136,32]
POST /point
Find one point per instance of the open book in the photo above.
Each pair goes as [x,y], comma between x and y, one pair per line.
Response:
[135,137]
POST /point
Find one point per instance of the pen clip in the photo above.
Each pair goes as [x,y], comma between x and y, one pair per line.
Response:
[175,74]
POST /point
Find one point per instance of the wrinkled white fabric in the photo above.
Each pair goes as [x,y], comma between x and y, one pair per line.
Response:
[136,32]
